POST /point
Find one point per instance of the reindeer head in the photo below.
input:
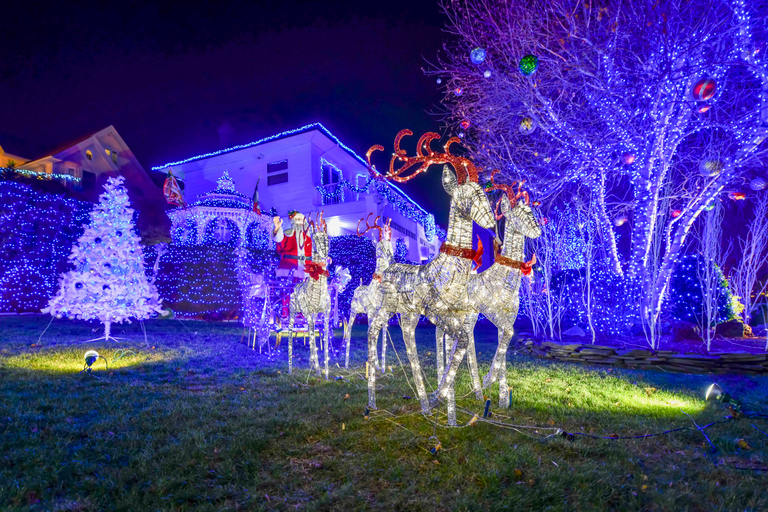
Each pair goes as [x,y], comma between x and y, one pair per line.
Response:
[384,245]
[461,183]
[516,209]
[318,230]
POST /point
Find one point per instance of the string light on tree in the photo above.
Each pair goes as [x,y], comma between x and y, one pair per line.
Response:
[108,281]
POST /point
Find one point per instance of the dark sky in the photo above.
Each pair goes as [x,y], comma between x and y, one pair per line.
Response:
[178,79]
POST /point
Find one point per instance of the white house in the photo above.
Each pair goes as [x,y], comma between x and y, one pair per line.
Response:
[310,170]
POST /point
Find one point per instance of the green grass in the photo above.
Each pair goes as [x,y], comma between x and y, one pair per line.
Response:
[196,421]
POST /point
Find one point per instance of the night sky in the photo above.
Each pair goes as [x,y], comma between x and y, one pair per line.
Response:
[178,79]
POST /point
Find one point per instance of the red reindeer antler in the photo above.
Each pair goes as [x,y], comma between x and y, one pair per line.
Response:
[510,191]
[425,157]
[369,227]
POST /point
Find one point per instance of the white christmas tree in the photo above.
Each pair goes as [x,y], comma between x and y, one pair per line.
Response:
[108,281]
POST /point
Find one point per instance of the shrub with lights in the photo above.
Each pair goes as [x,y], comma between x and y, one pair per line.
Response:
[37,231]
[685,298]
[358,254]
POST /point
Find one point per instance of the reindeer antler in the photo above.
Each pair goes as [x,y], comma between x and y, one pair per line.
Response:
[369,227]
[425,157]
[510,191]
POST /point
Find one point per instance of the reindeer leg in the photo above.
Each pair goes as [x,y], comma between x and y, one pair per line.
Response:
[326,340]
[408,325]
[470,322]
[455,329]
[291,318]
[376,321]
[439,347]
[505,336]
[348,335]
[384,334]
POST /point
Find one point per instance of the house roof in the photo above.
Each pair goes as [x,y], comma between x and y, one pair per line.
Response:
[289,133]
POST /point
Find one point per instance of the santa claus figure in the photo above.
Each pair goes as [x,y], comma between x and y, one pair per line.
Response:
[293,246]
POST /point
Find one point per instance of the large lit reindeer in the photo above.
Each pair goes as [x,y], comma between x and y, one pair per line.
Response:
[495,291]
[366,297]
[311,296]
[438,289]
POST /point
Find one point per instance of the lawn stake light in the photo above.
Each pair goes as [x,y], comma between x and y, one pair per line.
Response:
[715,392]
[91,357]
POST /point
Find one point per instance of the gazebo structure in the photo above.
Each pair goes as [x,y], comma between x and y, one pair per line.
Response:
[223,216]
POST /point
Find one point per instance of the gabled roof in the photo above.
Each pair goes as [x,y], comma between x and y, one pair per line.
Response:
[289,133]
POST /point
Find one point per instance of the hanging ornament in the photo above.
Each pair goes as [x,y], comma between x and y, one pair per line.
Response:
[78,285]
[119,233]
[487,73]
[547,159]
[619,221]
[439,81]
[458,91]
[465,124]
[676,213]
[477,56]
[461,135]
[704,89]
[529,64]
[737,196]
[527,126]
[704,108]
[758,183]
[97,240]
[710,207]
[711,167]
[627,158]
[105,287]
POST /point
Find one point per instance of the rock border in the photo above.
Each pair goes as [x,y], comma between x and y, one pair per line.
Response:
[716,363]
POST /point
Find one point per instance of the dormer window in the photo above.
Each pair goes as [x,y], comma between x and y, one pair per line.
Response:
[88,154]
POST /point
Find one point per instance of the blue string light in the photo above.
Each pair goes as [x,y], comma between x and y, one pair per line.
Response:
[37,231]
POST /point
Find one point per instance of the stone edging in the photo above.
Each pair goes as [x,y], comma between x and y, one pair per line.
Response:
[717,363]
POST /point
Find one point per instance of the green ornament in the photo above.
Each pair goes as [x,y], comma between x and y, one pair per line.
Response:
[529,64]
[488,186]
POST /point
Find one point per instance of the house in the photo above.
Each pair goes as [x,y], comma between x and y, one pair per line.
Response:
[83,166]
[310,170]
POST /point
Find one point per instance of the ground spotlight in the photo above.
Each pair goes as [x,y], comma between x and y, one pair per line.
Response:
[91,357]
[715,392]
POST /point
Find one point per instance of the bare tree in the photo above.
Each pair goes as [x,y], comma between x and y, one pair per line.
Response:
[754,258]
[708,272]
[629,100]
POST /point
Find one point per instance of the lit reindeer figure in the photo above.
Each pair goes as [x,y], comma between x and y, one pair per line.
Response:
[495,291]
[311,296]
[367,297]
[438,289]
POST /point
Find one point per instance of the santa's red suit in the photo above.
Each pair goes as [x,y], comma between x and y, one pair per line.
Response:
[294,248]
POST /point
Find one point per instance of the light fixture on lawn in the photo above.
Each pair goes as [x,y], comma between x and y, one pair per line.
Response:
[715,392]
[91,357]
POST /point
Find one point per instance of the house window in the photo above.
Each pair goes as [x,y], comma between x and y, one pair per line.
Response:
[330,179]
[88,154]
[114,156]
[277,166]
[276,179]
[401,229]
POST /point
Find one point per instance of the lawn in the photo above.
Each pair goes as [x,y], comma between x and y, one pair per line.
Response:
[197,421]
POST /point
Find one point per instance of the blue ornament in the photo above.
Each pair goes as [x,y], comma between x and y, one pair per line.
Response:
[97,240]
[78,285]
[487,73]
[477,56]
[119,233]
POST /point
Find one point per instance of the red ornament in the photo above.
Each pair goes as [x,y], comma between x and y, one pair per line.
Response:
[704,89]
[676,213]
[465,124]
[704,108]
[737,196]
[628,158]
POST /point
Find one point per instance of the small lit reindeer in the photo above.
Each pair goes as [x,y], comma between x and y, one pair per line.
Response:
[311,296]
[366,297]
[438,289]
[495,291]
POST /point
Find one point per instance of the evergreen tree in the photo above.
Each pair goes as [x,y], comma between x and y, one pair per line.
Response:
[108,281]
